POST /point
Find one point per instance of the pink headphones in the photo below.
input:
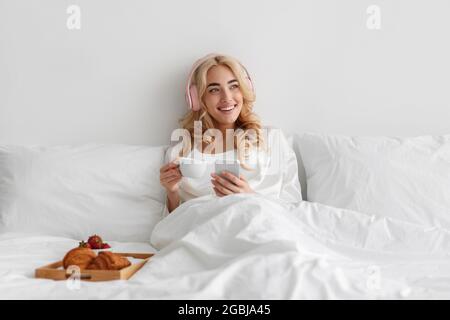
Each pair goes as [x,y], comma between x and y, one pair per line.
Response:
[192,97]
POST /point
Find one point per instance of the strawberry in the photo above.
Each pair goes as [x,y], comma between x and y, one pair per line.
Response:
[105,246]
[83,244]
[95,242]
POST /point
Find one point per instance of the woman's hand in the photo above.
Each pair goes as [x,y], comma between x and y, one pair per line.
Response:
[227,183]
[170,177]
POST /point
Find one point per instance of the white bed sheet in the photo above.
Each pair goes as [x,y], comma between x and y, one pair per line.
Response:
[251,247]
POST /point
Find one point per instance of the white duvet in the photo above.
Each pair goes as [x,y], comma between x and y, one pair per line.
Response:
[251,247]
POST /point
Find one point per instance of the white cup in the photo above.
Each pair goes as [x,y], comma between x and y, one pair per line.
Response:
[192,168]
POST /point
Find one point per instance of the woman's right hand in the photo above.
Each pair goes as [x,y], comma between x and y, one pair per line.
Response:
[170,177]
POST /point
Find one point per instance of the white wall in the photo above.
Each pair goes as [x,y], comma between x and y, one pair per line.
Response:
[315,64]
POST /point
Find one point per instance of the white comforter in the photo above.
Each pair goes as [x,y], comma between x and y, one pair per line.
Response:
[252,247]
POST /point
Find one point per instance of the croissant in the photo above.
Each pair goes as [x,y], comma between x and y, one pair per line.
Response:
[80,257]
[107,260]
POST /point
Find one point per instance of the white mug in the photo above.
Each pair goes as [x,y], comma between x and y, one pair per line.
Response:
[192,168]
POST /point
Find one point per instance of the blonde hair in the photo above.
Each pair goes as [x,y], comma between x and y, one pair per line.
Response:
[248,124]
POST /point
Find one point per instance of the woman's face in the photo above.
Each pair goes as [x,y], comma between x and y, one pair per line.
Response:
[223,97]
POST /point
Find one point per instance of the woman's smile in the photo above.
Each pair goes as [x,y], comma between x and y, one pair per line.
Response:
[228,108]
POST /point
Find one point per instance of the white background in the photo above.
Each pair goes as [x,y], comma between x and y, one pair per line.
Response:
[315,64]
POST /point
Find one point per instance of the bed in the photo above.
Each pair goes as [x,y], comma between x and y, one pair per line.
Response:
[374,224]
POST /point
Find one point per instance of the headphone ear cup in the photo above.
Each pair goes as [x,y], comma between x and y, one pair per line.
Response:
[195,105]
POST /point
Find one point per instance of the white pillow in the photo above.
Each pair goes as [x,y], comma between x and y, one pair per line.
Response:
[404,178]
[110,190]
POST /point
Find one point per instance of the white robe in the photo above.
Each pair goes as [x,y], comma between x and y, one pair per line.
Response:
[274,174]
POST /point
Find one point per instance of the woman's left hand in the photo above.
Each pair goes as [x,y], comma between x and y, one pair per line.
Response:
[227,183]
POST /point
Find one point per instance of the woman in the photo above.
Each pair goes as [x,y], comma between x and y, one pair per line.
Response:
[220,96]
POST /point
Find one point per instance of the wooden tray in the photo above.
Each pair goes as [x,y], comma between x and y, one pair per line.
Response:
[56,272]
